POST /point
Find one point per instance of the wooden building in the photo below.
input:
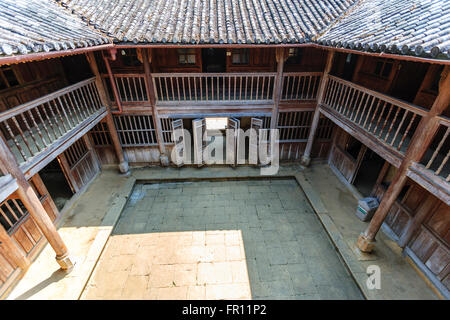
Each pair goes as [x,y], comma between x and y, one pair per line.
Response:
[93,89]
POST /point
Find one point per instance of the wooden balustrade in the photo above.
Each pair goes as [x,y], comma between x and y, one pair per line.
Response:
[389,120]
[300,85]
[32,127]
[130,87]
[179,87]
[436,158]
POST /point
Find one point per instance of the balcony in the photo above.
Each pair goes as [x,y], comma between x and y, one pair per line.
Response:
[235,91]
[433,170]
[37,131]
[383,123]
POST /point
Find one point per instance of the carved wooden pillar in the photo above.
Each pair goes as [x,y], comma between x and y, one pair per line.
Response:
[151,97]
[419,143]
[281,56]
[34,206]
[306,158]
[123,163]
[14,252]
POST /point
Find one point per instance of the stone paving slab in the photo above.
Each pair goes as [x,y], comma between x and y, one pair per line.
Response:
[210,246]
[249,214]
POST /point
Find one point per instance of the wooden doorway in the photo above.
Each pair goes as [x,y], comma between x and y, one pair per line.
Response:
[20,226]
[214,60]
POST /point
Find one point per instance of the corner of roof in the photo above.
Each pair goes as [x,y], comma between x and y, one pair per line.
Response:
[338,19]
[81,18]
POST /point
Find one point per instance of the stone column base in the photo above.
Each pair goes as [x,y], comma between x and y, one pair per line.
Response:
[305,161]
[364,244]
[123,167]
[164,160]
[65,262]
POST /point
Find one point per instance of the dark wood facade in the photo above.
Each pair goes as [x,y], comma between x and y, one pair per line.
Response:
[365,103]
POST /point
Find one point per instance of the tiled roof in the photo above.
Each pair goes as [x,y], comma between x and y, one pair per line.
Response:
[209,21]
[28,26]
[412,27]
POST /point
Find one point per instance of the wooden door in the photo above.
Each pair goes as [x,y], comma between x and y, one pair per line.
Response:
[181,154]
[257,125]
[232,140]
[199,130]
[79,163]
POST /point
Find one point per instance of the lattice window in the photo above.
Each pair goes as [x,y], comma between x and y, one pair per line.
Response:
[294,126]
[11,212]
[76,152]
[135,130]
[166,128]
[186,56]
[240,56]
[324,129]
[100,135]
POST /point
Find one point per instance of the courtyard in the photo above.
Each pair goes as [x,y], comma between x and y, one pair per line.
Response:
[220,240]
[218,233]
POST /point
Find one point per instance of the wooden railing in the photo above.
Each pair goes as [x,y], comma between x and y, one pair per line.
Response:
[130,87]
[300,85]
[203,87]
[32,127]
[436,159]
[389,120]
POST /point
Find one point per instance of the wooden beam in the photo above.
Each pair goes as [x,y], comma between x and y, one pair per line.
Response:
[420,142]
[34,206]
[152,100]
[123,163]
[306,158]
[281,56]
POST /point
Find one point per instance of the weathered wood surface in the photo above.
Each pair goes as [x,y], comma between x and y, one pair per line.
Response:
[419,144]
[389,120]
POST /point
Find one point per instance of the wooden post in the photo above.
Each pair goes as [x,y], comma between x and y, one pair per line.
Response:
[34,206]
[281,56]
[123,163]
[422,138]
[14,252]
[111,79]
[151,97]
[306,158]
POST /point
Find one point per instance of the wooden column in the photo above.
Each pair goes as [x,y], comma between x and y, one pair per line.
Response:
[34,206]
[151,97]
[281,56]
[306,158]
[14,252]
[111,78]
[123,163]
[419,143]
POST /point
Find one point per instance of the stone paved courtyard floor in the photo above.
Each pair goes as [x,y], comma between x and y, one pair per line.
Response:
[247,239]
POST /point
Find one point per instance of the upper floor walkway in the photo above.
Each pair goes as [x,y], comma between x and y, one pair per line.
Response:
[39,130]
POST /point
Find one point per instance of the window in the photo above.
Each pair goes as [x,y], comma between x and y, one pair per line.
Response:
[294,56]
[383,68]
[7,77]
[130,57]
[186,56]
[240,56]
